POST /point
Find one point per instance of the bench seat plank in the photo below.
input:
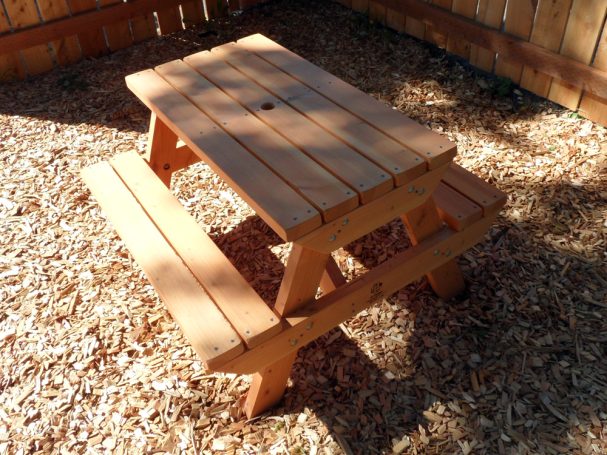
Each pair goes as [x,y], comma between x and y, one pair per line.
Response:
[287,212]
[369,180]
[401,163]
[254,321]
[207,329]
[488,197]
[330,196]
[434,148]
[454,208]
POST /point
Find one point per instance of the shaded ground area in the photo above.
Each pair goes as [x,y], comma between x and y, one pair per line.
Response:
[90,358]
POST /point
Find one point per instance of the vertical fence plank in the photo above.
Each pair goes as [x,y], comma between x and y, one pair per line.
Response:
[143,27]
[362,6]
[519,22]
[456,45]
[216,8]
[583,28]
[395,20]
[415,27]
[23,13]
[193,13]
[433,36]
[169,20]
[118,34]
[592,106]
[490,13]
[92,42]
[377,12]
[67,50]
[10,64]
[548,29]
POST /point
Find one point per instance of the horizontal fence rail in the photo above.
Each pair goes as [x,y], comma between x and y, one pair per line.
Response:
[37,35]
[554,48]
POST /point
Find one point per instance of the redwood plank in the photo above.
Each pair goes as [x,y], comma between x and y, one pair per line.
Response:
[490,13]
[583,27]
[279,205]
[67,49]
[10,63]
[91,37]
[118,33]
[23,13]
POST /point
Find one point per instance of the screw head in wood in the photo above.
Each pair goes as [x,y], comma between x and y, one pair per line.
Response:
[166,166]
[411,189]
[309,325]
[345,221]
[332,238]
[293,341]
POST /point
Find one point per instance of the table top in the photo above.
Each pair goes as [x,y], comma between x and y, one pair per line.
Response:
[299,145]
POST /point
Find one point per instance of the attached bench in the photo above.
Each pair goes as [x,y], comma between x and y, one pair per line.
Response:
[220,314]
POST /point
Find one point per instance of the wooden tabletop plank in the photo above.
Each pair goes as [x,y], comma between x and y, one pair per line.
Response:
[356,171]
[207,329]
[401,163]
[279,205]
[330,196]
[254,321]
[433,147]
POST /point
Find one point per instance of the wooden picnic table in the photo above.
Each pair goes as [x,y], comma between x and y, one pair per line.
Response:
[321,163]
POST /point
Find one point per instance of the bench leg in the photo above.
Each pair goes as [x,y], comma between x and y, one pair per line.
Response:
[421,222]
[299,285]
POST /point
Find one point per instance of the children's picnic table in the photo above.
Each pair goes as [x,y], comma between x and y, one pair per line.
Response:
[321,163]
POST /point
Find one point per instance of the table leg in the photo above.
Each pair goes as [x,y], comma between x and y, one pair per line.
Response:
[299,285]
[421,222]
[162,143]
[332,278]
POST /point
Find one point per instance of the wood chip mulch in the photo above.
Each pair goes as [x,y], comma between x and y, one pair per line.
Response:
[92,362]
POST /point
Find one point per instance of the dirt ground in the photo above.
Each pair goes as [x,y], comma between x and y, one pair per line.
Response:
[92,362]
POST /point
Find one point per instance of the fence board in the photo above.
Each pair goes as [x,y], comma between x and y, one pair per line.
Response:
[92,42]
[193,13]
[455,44]
[67,49]
[23,13]
[169,20]
[362,6]
[490,13]
[592,106]
[10,64]
[143,27]
[415,27]
[215,8]
[118,34]
[518,22]
[377,12]
[395,20]
[583,27]
[548,29]
[433,36]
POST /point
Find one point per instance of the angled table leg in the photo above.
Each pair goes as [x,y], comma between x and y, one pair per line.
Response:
[299,285]
[162,153]
[421,222]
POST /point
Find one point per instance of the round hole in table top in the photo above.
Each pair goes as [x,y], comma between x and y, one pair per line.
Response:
[267,106]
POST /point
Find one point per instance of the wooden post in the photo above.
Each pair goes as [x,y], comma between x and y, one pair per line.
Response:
[299,285]
[162,145]
[421,222]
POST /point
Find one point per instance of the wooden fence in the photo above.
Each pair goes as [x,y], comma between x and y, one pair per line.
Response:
[36,35]
[554,48]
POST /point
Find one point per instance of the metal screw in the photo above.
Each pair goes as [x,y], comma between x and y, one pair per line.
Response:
[309,325]
[436,252]
[411,189]
[421,191]
[448,253]
[166,166]
[332,238]
[345,221]
[293,341]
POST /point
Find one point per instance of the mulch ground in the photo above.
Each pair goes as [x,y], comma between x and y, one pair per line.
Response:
[91,361]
